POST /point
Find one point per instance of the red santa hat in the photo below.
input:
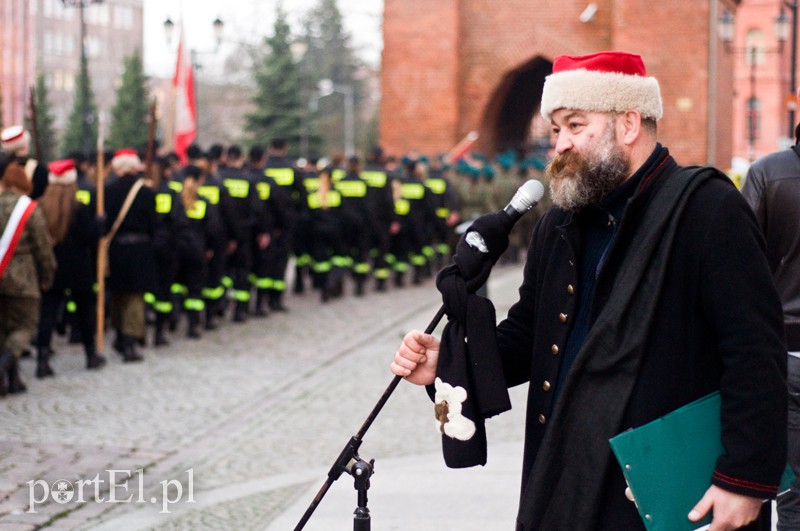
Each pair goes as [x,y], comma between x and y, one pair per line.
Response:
[125,161]
[14,137]
[62,172]
[601,82]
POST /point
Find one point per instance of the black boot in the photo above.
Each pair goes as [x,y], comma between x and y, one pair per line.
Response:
[276,301]
[93,359]
[299,286]
[193,331]
[240,312]
[15,383]
[398,279]
[129,351]
[211,316]
[360,279]
[6,360]
[418,274]
[119,343]
[261,303]
[43,369]
[162,320]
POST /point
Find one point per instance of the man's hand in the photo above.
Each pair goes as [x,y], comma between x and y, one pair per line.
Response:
[731,511]
[416,358]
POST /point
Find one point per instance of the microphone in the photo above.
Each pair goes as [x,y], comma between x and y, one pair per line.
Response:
[526,197]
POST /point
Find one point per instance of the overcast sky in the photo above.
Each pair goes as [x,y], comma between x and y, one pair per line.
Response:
[246,21]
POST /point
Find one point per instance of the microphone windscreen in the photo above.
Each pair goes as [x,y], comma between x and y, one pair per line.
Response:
[528,195]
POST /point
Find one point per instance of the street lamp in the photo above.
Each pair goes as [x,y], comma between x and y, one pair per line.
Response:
[217,24]
[754,51]
[169,29]
[326,87]
[86,117]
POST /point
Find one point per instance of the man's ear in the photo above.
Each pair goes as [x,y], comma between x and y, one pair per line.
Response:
[631,125]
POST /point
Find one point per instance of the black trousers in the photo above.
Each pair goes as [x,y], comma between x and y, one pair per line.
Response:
[51,302]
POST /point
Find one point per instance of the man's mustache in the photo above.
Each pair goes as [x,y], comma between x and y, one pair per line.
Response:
[563,161]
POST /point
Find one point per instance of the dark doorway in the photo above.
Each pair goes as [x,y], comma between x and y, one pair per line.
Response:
[507,117]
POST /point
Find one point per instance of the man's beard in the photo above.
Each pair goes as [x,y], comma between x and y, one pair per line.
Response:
[578,180]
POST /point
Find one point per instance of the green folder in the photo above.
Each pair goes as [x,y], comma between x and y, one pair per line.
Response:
[668,463]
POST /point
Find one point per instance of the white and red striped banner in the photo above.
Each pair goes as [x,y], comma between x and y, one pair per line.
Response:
[185,108]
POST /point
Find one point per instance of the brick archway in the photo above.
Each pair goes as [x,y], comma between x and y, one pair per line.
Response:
[511,107]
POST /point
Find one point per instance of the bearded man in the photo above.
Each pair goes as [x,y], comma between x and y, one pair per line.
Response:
[645,288]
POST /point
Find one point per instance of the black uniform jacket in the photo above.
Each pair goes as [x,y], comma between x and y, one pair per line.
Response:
[131,255]
[717,325]
[77,266]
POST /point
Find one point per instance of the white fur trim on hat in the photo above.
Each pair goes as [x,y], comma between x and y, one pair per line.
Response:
[62,172]
[126,162]
[595,91]
[15,138]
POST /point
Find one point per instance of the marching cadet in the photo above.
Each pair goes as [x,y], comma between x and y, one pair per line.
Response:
[69,210]
[131,224]
[283,171]
[218,199]
[301,240]
[27,265]
[414,215]
[16,141]
[327,245]
[445,203]
[244,207]
[381,206]
[196,246]
[273,213]
[171,224]
[356,218]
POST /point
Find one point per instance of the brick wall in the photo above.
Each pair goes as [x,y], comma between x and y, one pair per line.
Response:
[420,91]
[443,60]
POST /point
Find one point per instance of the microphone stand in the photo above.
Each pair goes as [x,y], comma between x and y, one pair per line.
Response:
[350,462]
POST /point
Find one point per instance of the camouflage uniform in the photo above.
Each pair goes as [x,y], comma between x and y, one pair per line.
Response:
[31,269]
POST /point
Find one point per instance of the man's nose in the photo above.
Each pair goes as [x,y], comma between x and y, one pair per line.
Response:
[563,143]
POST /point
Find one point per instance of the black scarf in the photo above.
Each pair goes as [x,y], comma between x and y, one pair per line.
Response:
[469,373]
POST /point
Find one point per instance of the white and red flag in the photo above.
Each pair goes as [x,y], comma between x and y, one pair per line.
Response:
[185,108]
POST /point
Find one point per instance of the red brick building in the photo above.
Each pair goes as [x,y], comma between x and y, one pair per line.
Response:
[44,36]
[453,66]
[762,67]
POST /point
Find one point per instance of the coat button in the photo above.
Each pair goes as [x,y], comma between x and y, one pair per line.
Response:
[571,289]
[562,317]
[572,263]
[554,350]
[546,385]
[542,419]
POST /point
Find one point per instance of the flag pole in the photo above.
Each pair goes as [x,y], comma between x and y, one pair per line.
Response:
[461,149]
[102,248]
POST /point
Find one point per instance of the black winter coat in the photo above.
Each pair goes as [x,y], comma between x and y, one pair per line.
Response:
[717,326]
[76,253]
[131,256]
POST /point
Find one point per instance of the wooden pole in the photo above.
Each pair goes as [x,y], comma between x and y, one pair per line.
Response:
[151,145]
[102,247]
[35,127]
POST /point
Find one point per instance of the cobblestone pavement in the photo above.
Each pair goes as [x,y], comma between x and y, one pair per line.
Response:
[233,428]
